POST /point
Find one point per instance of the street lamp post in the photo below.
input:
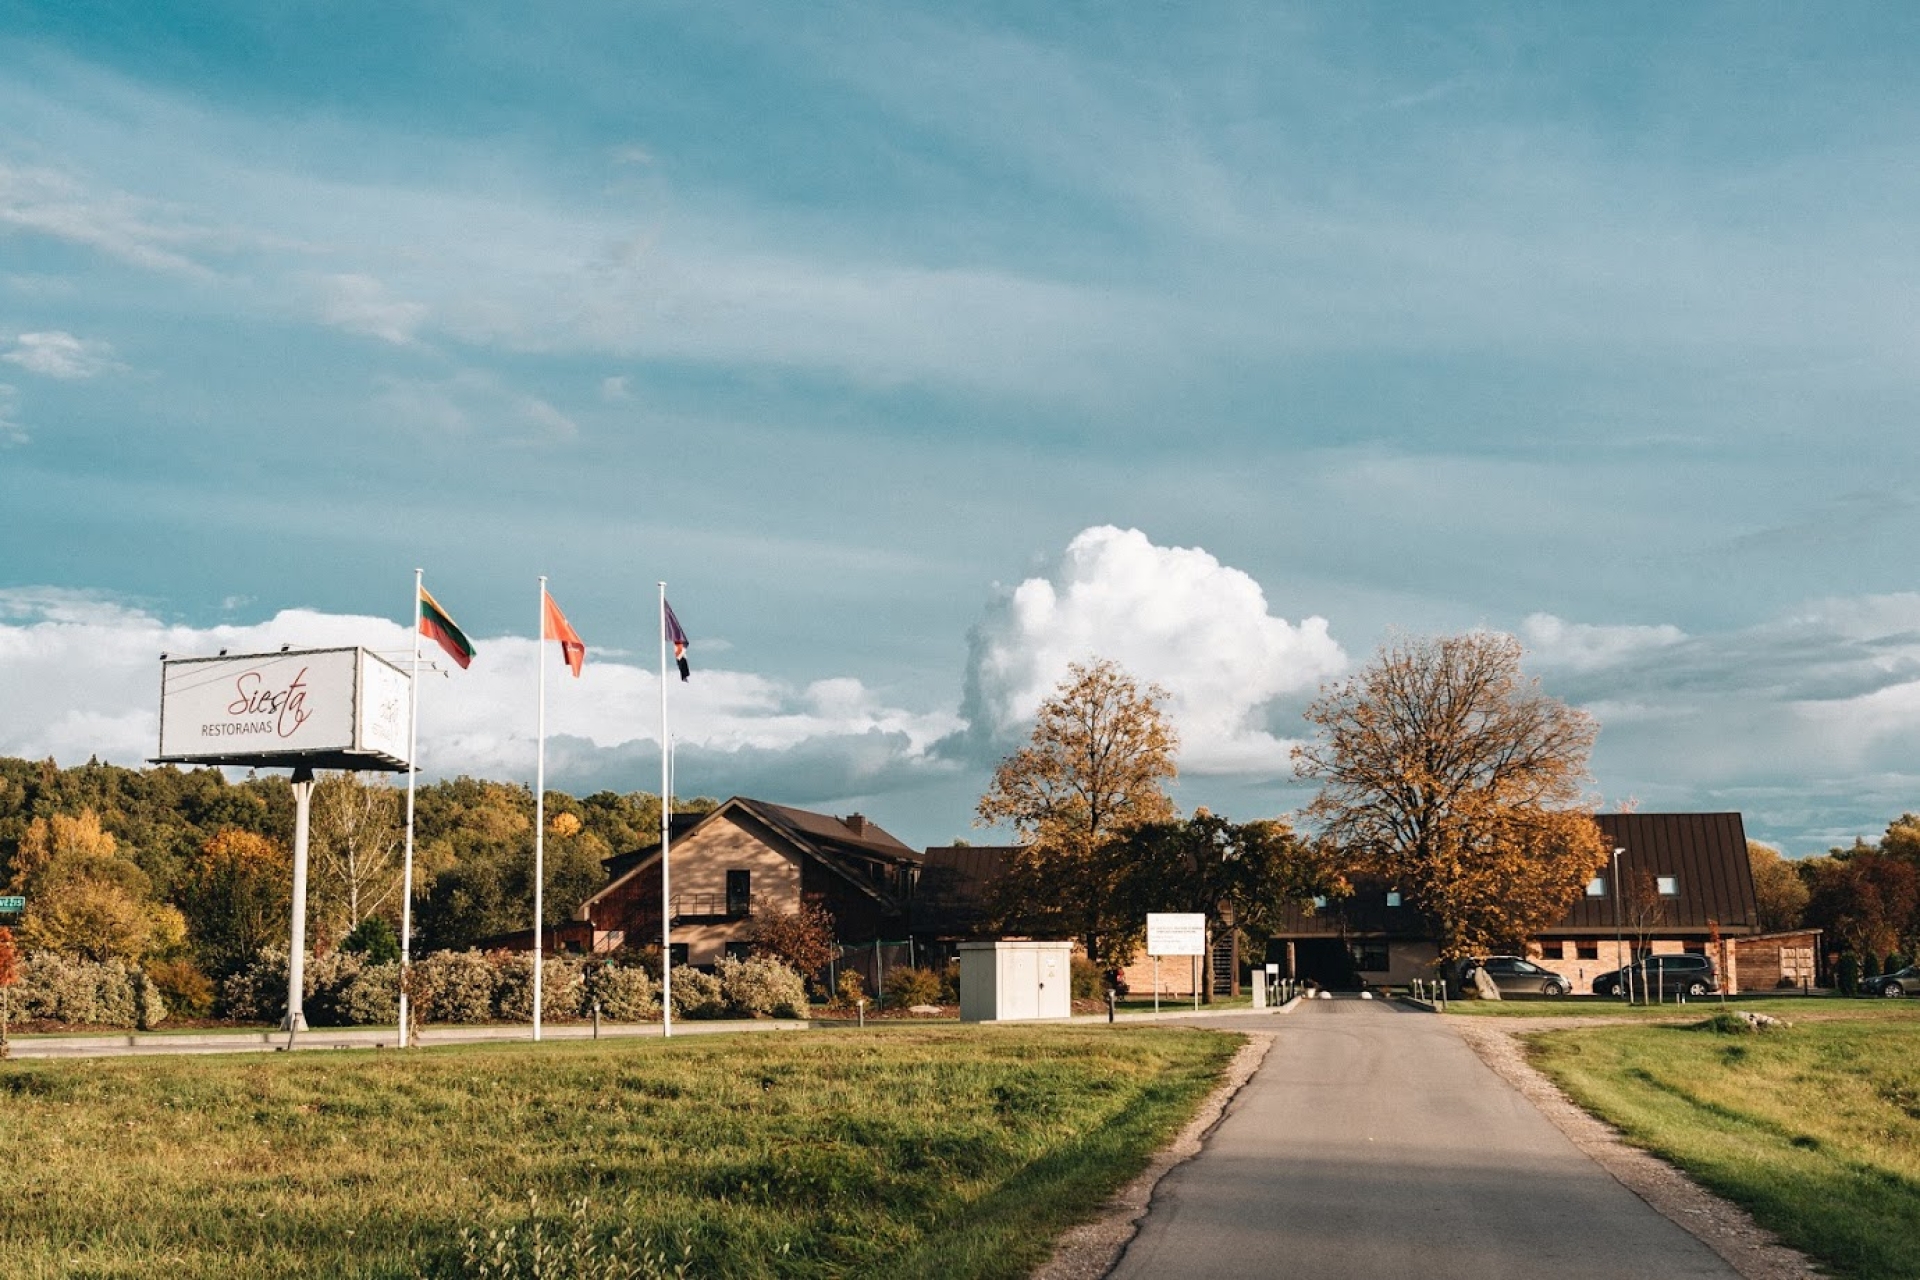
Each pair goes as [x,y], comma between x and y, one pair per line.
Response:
[1619,938]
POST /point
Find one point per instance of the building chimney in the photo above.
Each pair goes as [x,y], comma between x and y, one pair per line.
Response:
[856,823]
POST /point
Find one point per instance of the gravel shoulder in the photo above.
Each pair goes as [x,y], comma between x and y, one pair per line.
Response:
[1721,1225]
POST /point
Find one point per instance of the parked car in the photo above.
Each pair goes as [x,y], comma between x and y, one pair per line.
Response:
[1904,983]
[1514,976]
[1691,975]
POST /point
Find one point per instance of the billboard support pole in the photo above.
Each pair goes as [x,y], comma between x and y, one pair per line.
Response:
[297,945]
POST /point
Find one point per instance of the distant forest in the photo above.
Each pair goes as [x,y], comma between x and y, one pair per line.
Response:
[183,867]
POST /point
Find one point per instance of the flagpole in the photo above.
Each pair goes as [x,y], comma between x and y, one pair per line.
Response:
[540,806]
[413,772]
[666,834]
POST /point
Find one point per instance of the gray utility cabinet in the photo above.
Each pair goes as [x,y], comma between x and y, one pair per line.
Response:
[1015,981]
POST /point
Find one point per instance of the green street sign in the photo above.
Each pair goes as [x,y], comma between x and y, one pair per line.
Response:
[12,906]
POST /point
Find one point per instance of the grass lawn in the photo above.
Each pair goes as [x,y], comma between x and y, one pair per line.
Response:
[902,1151]
[1789,1007]
[1815,1129]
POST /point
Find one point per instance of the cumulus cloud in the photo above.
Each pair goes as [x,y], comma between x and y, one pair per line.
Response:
[1174,616]
[79,674]
[61,355]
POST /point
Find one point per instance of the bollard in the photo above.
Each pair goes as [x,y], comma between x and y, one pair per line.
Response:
[1112,997]
[863,1013]
[596,1019]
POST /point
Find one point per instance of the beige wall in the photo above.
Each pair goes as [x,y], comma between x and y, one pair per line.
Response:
[699,867]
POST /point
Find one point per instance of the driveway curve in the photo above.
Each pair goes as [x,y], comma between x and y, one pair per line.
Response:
[1374,1145]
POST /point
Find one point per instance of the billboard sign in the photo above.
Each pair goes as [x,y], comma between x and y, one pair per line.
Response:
[328,708]
[1176,933]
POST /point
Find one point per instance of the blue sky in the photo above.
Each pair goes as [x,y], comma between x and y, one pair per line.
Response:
[923,350]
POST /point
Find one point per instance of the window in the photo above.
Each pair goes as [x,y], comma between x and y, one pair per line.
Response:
[1669,886]
[1393,897]
[1319,901]
[739,950]
[1370,957]
[679,953]
[739,892]
[1597,887]
[1586,950]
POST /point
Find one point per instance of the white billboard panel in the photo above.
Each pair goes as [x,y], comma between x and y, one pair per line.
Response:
[334,708]
[1176,933]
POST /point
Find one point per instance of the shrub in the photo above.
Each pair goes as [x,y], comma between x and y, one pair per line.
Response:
[87,993]
[850,989]
[802,940]
[1849,974]
[186,990]
[455,986]
[561,989]
[761,986]
[626,992]
[696,994]
[370,997]
[258,993]
[1089,980]
[950,983]
[908,987]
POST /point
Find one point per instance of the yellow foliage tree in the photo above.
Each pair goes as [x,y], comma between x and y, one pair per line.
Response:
[1095,770]
[1449,775]
[84,899]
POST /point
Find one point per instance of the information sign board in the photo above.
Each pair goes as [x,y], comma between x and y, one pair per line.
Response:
[1176,933]
[327,708]
[12,906]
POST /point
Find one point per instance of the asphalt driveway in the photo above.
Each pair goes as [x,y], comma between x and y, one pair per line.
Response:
[1373,1145]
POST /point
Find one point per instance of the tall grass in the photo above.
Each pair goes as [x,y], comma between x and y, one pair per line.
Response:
[1816,1128]
[922,1151]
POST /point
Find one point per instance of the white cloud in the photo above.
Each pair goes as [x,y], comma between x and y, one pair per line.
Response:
[1173,616]
[79,674]
[146,233]
[61,355]
[614,390]
[473,403]
[1582,646]
[361,304]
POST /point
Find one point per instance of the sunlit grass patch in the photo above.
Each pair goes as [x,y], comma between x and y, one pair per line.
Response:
[1815,1128]
[949,1151]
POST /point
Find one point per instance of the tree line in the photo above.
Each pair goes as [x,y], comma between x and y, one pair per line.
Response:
[187,875]
[1444,773]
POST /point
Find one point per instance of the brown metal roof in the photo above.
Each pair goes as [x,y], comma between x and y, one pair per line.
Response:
[956,888]
[1705,854]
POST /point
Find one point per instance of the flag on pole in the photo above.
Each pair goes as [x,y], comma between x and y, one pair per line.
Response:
[438,626]
[678,638]
[556,627]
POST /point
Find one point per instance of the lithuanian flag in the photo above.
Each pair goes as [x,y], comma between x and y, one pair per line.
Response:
[438,625]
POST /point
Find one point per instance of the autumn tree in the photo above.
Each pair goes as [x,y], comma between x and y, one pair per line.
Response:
[803,939]
[1448,774]
[1778,888]
[357,835]
[1095,768]
[84,899]
[1866,901]
[9,975]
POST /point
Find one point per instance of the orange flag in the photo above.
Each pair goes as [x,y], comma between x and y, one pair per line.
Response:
[556,627]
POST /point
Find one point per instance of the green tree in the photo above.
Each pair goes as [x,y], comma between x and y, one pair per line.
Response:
[1239,875]
[1096,767]
[1448,774]
[239,899]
